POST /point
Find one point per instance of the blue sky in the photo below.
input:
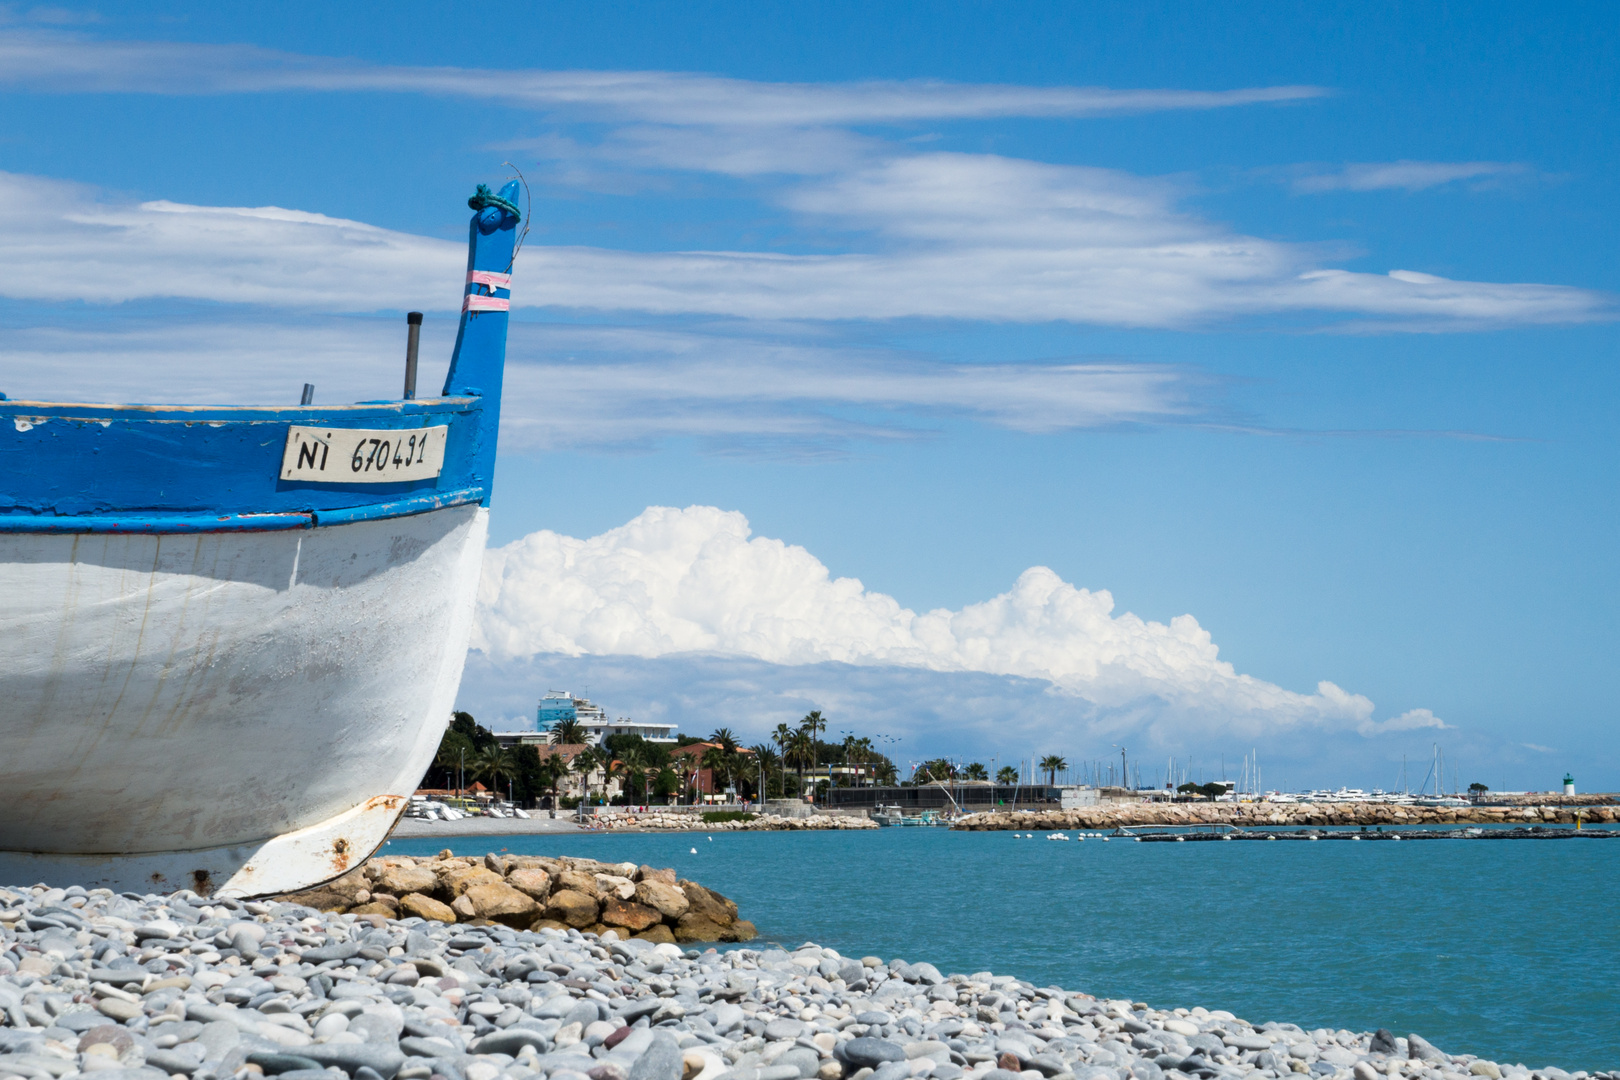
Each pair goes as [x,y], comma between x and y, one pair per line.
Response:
[1298,321]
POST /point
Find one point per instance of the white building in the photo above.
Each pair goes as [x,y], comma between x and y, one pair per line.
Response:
[560,705]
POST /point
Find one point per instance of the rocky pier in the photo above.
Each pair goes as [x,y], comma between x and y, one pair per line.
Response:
[183,987]
[1114,815]
[532,892]
[665,822]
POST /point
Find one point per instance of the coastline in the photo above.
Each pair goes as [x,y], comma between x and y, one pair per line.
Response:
[1253,815]
[192,987]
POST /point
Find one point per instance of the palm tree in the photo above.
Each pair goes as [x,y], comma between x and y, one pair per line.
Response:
[1006,775]
[975,771]
[717,761]
[815,724]
[765,760]
[780,737]
[727,741]
[552,770]
[802,748]
[634,766]
[1053,764]
[494,765]
[585,763]
[567,733]
[448,758]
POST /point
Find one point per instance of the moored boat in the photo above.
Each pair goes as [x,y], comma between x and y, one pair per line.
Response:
[234,635]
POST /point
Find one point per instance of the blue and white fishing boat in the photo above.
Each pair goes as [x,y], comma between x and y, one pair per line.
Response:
[232,637]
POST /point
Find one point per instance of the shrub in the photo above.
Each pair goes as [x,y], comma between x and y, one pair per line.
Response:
[715,817]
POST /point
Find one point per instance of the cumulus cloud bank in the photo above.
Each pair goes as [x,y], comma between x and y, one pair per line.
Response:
[696,581]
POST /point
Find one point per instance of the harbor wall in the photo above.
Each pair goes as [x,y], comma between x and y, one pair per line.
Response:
[1110,816]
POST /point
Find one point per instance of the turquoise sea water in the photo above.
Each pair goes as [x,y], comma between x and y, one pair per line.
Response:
[1505,949]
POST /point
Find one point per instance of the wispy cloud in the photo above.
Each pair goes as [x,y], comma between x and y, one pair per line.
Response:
[65,241]
[696,581]
[573,386]
[58,63]
[955,236]
[1405,175]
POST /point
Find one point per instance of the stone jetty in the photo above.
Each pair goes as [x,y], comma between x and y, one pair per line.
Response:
[532,892]
[665,822]
[181,987]
[1114,815]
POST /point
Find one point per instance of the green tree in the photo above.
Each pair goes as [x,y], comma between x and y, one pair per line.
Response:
[568,733]
[529,781]
[802,749]
[1006,775]
[765,763]
[727,741]
[975,770]
[719,763]
[494,767]
[815,724]
[1053,764]
[585,762]
[666,784]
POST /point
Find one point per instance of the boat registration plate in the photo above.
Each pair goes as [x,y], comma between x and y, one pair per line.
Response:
[362,456]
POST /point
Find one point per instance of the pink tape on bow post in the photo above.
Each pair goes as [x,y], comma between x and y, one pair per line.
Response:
[485,303]
[489,278]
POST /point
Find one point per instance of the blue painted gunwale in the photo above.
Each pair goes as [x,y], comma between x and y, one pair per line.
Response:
[68,467]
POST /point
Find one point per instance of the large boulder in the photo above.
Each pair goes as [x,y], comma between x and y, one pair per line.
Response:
[649,873]
[709,906]
[658,934]
[499,902]
[573,907]
[741,930]
[531,862]
[577,881]
[635,917]
[402,880]
[425,907]
[694,927]
[613,885]
[535,883]
[665,898]
[459,881]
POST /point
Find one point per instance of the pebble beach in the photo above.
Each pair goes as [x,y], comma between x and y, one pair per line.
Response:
[183,987]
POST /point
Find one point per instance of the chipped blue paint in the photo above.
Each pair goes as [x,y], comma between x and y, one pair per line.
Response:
[72,467]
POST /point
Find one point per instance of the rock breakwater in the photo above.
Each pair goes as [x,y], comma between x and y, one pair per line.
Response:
[181,987]
[1257,814]
[533,892]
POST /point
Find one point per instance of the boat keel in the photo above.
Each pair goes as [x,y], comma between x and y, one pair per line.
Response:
[282,864]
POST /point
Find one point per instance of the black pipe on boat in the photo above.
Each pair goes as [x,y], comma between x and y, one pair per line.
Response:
[413,338]
[309,394]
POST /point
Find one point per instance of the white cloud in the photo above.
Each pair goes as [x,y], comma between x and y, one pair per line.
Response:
[1411,720]
[965,237]
[65,241]
[587,386]
[65,63]
[675,582]
[1404,175]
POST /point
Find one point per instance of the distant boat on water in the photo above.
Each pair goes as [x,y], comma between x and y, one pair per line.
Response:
[234,635]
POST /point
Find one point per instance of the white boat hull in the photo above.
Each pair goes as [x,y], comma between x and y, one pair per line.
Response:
[234,712]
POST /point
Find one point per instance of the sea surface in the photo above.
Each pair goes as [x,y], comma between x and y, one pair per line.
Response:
[1505,949]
